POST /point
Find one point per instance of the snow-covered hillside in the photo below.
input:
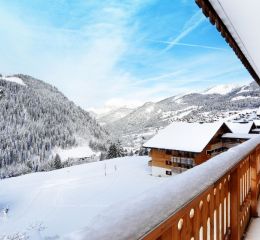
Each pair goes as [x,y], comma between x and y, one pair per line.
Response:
[66,200]
[35,118]
[13,79]
[114,115]
[219,102]
[222,89]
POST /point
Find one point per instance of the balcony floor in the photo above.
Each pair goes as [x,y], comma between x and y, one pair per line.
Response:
[253,232]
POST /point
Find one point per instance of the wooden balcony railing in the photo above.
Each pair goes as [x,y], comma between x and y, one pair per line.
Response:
[214,200]
[223,210]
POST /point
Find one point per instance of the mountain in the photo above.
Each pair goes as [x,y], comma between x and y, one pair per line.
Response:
[222,89]
[113,115]
[219,102]
[35,118]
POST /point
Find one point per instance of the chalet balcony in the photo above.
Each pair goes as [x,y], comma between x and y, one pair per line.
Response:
[188,162]
[214,200]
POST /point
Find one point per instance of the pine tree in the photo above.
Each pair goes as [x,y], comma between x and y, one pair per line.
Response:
[119,149]
[115,150]
[57,162]
[112,151]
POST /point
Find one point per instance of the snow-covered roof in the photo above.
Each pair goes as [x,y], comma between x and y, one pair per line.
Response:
[237,127]
[257,122]
[239,28]
[239,135]
[75,152]
[182,136]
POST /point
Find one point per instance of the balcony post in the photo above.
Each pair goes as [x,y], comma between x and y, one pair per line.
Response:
[235,204]
[253,184]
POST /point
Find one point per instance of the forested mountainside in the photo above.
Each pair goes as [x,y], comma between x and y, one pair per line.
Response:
[211,105]
[35,117]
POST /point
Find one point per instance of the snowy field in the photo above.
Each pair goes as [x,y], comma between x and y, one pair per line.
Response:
[50,205]
[75,152]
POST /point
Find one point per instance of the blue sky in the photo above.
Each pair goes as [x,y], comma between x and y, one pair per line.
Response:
[102,53]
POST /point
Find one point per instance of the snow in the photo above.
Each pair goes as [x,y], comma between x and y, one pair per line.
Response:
[137,216]
[76,152]
[240,19]
[237,127]
[185,111]
[253,232]
[239,135]
[243,90]
[80,202]
[258,112]
[149,109]
[68,199]
[192,137]
[257,122]
[179,100]
[14,79]
[243,97]
[222,89]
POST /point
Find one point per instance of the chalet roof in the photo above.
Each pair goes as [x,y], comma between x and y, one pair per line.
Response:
[237,127]
[257,122]
[239,135]
[182,136]
[238,23]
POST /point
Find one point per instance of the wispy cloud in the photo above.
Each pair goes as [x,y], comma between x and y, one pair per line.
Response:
[190,45]
[189,26]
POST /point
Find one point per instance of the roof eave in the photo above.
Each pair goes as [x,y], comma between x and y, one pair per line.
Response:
[210,12]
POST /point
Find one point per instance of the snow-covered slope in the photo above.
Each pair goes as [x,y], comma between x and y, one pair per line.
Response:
[13,79]
[222,89]
[63,201]
[114,115]
[35,118]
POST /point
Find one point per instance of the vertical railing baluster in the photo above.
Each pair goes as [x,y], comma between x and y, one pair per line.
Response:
[235,204]
[253,170]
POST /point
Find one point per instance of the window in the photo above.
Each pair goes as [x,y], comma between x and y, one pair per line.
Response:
[168,172]
[168,152]
[208,152]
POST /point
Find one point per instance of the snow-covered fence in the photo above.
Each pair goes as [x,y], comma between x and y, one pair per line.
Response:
[214,200]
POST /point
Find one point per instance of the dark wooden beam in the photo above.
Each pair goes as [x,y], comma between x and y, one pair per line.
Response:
[210,13]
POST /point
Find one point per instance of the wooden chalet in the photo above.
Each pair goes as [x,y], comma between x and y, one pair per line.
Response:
[181,146]
[242,127]
[241,132]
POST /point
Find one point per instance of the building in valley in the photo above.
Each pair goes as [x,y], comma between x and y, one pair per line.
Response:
[182,145]
[242,127]
[241,132]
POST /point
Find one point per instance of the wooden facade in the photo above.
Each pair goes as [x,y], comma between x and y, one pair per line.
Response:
[168,161]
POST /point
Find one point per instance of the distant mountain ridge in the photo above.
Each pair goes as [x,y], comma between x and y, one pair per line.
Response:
[35,118]
[211,105]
